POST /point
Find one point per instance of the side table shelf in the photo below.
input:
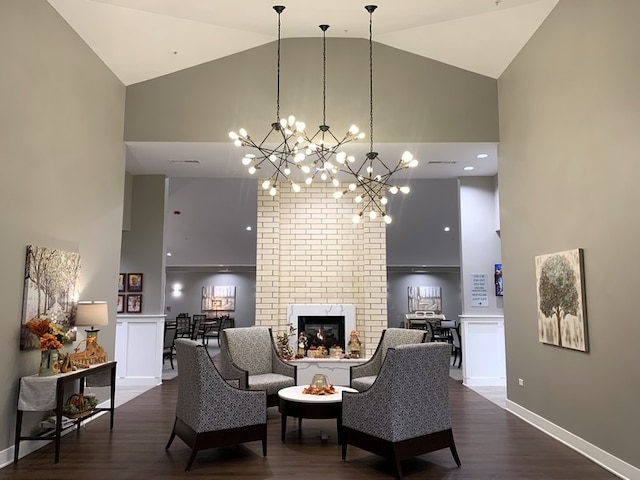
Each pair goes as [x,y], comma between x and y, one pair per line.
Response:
[40,394]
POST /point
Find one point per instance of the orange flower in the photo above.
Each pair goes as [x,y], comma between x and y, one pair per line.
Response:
[49,342]
[38,327]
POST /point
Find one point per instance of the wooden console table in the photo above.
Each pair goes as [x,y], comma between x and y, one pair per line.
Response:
[40,394]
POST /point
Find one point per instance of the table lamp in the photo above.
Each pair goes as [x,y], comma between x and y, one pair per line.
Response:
[93,314]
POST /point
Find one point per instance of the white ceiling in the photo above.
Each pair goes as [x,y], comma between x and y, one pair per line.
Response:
[143,39]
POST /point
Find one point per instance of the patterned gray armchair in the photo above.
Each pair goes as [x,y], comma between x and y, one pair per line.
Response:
[363,376]
[249,355]
[406,411]
[211,413]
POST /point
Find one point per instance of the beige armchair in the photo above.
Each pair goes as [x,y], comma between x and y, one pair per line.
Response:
[362,376]
[249,356]
[211,413]
[406,411]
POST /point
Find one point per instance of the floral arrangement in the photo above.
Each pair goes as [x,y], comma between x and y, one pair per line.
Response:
[282,342]
[50,335]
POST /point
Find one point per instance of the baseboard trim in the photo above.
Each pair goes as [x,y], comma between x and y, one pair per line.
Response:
[138,381]
[607,461]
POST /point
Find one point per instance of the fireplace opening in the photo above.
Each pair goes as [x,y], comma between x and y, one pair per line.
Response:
[325,331]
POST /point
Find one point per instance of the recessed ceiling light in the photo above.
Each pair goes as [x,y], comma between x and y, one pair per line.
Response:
[468,168]
[482,155]
[446,229]
[248,229]
[168,254]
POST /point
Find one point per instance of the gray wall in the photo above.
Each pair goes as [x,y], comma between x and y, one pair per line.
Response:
[416,236]
[143,245]
[438,102]
[62,178]
[480,245]
[569,169]
[192,282]
[210,228]
[397,292]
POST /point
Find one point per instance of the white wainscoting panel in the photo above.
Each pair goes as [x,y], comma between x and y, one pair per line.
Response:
[483,352]
[139,341]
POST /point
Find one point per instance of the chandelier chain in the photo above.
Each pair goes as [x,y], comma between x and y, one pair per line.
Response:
[324,74]
[278,73]
[371,79]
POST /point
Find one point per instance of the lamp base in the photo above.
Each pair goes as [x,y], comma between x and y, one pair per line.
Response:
[92,333]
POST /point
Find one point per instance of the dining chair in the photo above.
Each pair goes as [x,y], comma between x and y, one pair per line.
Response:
[213,330]
[184,326]
[198,322]
[457,346]
[168,348]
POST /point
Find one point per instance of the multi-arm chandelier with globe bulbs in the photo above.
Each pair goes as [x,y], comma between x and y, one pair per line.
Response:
[281,151]
[371,178]
[323,148]
[284,149]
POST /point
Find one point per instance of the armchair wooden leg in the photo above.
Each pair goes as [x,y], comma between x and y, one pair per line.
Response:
[344,449]
[171,437]
[454,452]
[396,461]
[194,452]
[264,447]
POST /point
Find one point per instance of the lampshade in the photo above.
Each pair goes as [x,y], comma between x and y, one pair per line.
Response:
[94,314]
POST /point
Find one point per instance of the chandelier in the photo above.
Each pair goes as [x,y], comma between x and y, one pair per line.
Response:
[372,178]
[281,149]
[323,146]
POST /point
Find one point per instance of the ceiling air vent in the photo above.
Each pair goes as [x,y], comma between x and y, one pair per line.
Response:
[184,162]
[440,162]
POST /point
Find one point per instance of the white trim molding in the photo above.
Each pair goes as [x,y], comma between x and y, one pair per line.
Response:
[607,461]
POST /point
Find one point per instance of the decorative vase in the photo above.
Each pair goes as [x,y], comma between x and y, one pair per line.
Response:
[320,381]
[49,363]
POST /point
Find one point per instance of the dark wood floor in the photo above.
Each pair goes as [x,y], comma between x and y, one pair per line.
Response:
[492,444]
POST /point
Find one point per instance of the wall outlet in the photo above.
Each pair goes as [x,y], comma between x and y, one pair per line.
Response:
[521,382]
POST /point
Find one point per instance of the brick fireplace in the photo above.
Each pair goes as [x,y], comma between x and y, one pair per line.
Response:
[309,252]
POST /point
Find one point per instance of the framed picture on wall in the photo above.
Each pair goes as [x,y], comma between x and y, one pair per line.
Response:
[134,282]
[120,307]
[218,298]
[425,299]
[562,308]
[121,282]
[134,303]
[498,280]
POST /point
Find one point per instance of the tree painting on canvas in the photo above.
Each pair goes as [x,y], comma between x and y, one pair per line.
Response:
[51,282]
[425,299]
[562,315]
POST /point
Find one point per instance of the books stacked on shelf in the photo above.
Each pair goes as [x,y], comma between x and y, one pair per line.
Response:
[51,422]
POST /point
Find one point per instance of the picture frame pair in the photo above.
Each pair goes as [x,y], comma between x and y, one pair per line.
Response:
[130,282]
[131,303]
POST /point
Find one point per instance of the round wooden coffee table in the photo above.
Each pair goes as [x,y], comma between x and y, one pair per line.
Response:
[294,403]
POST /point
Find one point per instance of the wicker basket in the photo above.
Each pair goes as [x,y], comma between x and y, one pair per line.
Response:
[78,405]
